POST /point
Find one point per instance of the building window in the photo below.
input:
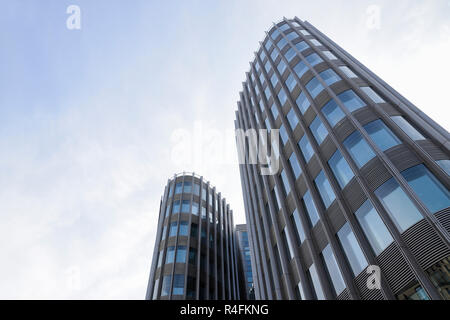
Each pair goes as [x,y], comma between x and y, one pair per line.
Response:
[176,206]
[325,190]
[274,80]
[290,82]
[281,43]
[358,149]
[383,137]
[315,42]
[195,208]
[373,227]
[349,73]
[285,180]
[398,205]
[299,227]
[329,77]
[427,188]
[341,169]
[171,190]
[267,65]
[187,188]
[301,46]
[306,148]
[184,228]
[193,256]
[185,206]
[329,55]
[181,254]
[262,55]
[160,259]
[314,87]
[407,128]
[268,45]
[372,95]
[178,188]
[413,292]
[173,229]
[310,208]
[197,189]
[300,291]
[267,93]
[170,254]
[164,233]
[178,284]
[351,101]
[167,211]
[292,35]
[284,27]
[302,102]
[300,69]
[316,283]
[165,290]
[282,97]
[290,54]
[267,124]
[274,111]
[333,270]
[275,34]
[314,59]
[281,67]
[332,112]
[318,130]
[445,165]
[194,230]
[305,33]
[155,290]
[288,244]
[352,250]
[295,166]
[283,134]
[293,119]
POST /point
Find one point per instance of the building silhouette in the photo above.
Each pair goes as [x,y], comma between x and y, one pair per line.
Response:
[363,179]
[195,255]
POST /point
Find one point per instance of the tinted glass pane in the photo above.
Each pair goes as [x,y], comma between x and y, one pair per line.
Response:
[383,137]
[298,226]
[170,254]
[181,254]
[274,111]
[351,101]
[185,206]
[283,134]
[310,208]
[358,149]
[445,165]
[333,270]
[352,250]
[313,59]
[373,227]
[318,130]
[372,94]
[301,46]
[165,290]
[281,43]
[178,284]
[178,188]
[281,67]
[306,148]
[290,54]
[282,97]
[349,73]
[173,229]
[428,188]
[314,87]
[274,80]
[302,103]
[284,178]
[332,112]
[329,76]
[292,118]
[330,55]
[184,228]
[341,169]
[290,82]
[316,283]
[295,166]
[300,69]
[401,209]
[408,128]
[325,190]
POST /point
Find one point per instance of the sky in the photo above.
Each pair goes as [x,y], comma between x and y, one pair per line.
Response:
[94,121]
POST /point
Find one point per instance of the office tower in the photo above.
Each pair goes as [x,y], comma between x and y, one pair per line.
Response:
[245,263]
[362,182]
[195,250]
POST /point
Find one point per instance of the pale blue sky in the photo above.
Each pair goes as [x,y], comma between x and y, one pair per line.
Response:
[91,119]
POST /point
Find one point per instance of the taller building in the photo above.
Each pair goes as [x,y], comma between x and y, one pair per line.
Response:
[195,255]
[362,182]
